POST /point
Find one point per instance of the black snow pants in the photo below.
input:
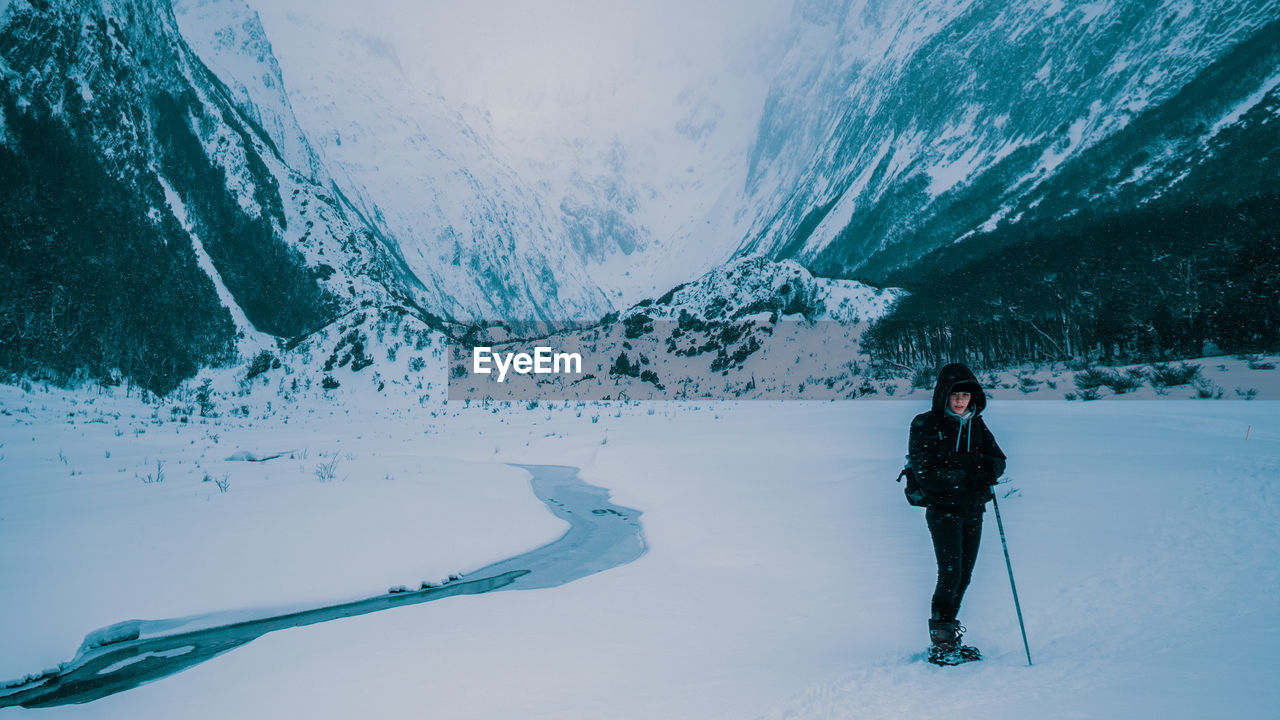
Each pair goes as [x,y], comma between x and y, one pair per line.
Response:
[956,534]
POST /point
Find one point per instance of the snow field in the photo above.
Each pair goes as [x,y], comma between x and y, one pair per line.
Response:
[785,577]
[86,550]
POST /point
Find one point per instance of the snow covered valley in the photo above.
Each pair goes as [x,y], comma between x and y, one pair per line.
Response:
[784,576]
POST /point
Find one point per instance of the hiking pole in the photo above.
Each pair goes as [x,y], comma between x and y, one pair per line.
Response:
[1014,587]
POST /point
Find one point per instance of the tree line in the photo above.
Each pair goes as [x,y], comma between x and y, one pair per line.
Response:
[1177,277]
[90,283]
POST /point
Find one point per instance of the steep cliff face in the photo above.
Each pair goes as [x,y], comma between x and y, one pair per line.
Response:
[481,242]
[152,226]
[235,48]
[895,128]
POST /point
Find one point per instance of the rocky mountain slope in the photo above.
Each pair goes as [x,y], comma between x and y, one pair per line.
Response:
[179,198]
[895,128]
[751,329]
[478,237]
[153,226]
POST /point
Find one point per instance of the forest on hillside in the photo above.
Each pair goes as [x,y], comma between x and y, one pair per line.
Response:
[1175,278]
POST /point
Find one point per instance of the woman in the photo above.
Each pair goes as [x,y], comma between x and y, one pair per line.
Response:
[956,461]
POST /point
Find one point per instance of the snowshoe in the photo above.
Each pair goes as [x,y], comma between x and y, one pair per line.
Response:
[953,656]
[947,648]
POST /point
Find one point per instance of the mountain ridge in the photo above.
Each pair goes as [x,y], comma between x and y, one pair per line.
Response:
[976,121]
[112,130]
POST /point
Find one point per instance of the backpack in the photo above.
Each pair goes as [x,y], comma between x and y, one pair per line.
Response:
[916,495]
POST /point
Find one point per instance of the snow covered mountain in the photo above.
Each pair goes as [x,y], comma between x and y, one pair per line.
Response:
[752,328]
[151,221]
[233,175]
[477,237]
[548,162]
[894,128]
[753,284]
[236,222]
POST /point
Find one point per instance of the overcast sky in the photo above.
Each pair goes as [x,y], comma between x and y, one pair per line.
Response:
[569,66]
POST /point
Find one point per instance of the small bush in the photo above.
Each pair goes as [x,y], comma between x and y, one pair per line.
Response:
[1170,375]
[1092,379]
[1206,389]
[261,363]
[158,477]
[1118,382]
[326,472]
[1128,381]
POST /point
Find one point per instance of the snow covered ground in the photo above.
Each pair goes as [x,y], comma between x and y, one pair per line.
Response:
[785,576]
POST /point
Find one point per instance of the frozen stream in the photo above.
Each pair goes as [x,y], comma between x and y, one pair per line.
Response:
[120,657]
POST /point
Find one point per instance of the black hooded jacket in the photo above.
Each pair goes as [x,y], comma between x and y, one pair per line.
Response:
[955,462]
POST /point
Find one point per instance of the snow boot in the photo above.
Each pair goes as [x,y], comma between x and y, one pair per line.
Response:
[942,633]
[946,648]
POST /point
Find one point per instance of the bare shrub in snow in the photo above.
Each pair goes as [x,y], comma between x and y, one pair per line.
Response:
[158,477]
[326,472]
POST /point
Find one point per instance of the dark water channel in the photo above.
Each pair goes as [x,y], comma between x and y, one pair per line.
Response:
[120,657]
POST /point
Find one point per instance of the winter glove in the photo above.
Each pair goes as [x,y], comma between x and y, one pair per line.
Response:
[988,470]
[997,468]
